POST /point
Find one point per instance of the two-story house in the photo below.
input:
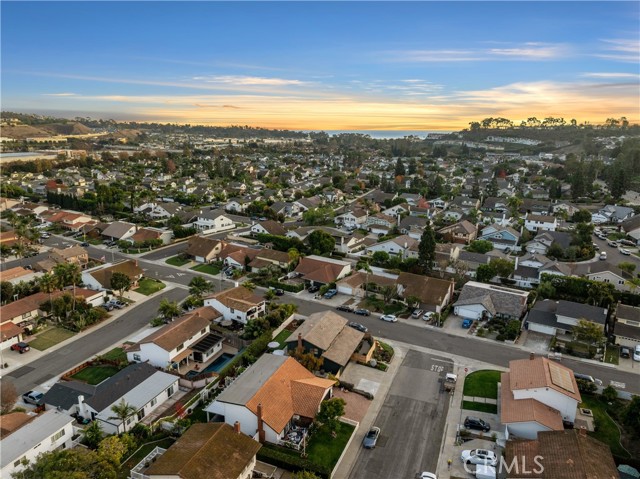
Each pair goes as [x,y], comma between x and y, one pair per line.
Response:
[535,222]
[559,317]
[478,300]
[502,237]
[119,230]
[203,249]
[463,232]
[355,218]
[269,227]
[212,221]
[627,325]
[237,304]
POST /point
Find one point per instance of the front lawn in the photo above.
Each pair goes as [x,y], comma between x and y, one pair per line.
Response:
[207,268]
[141,453]
[95,374]
[606,429]
[178,260]
[325,450]
[282,336]
[148,286]
[482,383]
[50,337]
[116,354]
[612,354]
[480,406]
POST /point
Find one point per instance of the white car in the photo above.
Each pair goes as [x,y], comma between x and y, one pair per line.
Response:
[625,252]
[479,456]
[389,318]
[636,353]
[426,475]
[428,315]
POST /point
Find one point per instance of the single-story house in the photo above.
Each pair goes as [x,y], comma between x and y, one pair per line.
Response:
[627,325]
[478,300]
[99,278]
[203,249]
[319,270]
[434,294]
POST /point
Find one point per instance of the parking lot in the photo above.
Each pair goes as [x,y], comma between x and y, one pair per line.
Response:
[411,420]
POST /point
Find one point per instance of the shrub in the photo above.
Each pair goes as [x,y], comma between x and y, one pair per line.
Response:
[282,458]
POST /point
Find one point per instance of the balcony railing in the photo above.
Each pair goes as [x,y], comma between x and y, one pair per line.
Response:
[136,472]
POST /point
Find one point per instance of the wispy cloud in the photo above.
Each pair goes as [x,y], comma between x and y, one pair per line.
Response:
[59,94]
[610,75]
[529,51]
[420,56]
[248,80]
[620,49]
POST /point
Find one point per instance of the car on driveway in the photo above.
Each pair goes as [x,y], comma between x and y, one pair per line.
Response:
[466,323]
[20,347]
[358,326]
[346,309]
[626,242]
[117,304]
[625,251]
[479,456]
[389,318]
[314,288]
[476,423]
[33,397]
[428,315]
[625,352]
[417,313]
[371,438]
[636,353]
[362,312]
[330,294]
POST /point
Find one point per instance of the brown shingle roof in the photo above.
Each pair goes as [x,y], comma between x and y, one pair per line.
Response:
[526,410]
[13,273]
[431,291]
[211,450]
[13,421]
[201,246]
[129,267]
[239,298]
[9,330]
[33,302]
[537,373]
[318,270]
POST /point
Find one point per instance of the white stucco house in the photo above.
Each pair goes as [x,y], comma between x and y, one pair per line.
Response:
[237,304]
[534,222]
[208,222]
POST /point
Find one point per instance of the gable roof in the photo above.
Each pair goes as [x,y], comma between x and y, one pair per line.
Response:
[624,311]
[118,229]
[129,267]
[199,452]
[239,298]
[273,227]
[539,372]
[496,299]
[33,302]
[431,291]
[322,270]
[202,246]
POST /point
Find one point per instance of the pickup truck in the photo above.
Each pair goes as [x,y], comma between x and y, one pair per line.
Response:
[20,347]
[449,383]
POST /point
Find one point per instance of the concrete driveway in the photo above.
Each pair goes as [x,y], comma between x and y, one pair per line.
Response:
[411,420]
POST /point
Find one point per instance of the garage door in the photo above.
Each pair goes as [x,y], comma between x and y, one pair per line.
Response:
[541,328]
[467,312]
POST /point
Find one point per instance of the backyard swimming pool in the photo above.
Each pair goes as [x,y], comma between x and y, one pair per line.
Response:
[214,367]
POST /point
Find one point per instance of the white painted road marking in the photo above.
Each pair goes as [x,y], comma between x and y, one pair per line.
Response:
[618,385]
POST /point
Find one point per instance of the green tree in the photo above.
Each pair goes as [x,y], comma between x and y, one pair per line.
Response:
[123,411]
[168,309]
[399,169]
[427,249]
[589,332]
[627,266]
[609,394]
[480,246]
[321,242]
[93,434]
[330,411]
[485,273]
[555,251]
[76,463]
[67,274]
[504,268]
[632,415]
[120,282]
[198,286]
[581,216]
[6,292]
[546,290]
[380,258]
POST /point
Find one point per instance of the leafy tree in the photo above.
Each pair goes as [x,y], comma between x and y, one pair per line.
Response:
[388,292]
[8,396]
[581,216]
[632,415]
[588,331]
[321,242]
[555,251]
[546,290]
[485,273]
[250,285]
[380,258]
[123,411]
[168,309]
[504,268]
[120,282]
[399,169]
[308,360]
[198,286]
[68,274]
[329,413]
[114,448]
[480,246]
[609,394]
[627,267]
[77,463]
[6,291]
[427,249]
[93,434]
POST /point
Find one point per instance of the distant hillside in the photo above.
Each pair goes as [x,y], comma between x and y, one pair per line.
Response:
[73,128]
[20,132]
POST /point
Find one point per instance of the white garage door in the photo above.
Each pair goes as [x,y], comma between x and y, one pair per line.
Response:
[467,312]
[541,328]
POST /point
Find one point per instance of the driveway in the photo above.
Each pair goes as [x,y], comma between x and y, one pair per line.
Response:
[411,420]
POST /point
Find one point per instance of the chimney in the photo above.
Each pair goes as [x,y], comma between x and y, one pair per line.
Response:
[236,427]
[261,437]
[532,356]
[516,265]
[300,348]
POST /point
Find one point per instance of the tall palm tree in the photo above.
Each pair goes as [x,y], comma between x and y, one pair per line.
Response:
[123,411]
[68,274]
[47,283]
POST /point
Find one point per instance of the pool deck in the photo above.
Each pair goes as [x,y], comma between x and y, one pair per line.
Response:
[191,364]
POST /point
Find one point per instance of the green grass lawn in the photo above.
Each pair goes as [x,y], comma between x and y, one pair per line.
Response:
[480,406]
[612,355]
[149,286]
[141,453]
[482,383]
[177,261]
[393,308]
[325,450]
[606,429]
[116,354]
[95,374]
[207,268]
[282,336]
[50,337]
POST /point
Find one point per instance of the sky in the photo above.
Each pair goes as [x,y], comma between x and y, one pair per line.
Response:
[323,65]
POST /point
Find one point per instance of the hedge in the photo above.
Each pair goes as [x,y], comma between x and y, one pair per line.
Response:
[278,457]
[281,243]
[292,288]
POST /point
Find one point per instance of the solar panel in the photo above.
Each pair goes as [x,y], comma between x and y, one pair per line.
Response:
[561,377]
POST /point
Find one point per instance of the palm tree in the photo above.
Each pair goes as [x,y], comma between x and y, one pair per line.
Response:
[168,309]
[68,274]
[47,284]
[93,434]
[123,411]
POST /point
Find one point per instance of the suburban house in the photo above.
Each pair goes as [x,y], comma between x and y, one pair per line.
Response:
[99,278]
[269,257]
[535,222]
[537,395]
[404,246]
[355,218]
[203,249]
[627,325]
[149,233]
[413,226]
[502,237]
[268,227]
[327,335]
[185,340]
[559,317]
[238,304]
[25,437]
[631,226]
[463,232]
[544,239]
[272,396]
[560,454]
[198,453]
[119,230]
[434,294]
[356,284]
[478,300]
[156,211]
[613,214]
[380,223]
[607,273]
[18,274]
[140,385]
[319,270]
[211,221]
[73,254]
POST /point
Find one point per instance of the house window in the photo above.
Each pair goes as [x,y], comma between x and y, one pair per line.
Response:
[57,436]
[140,414]
[231,310]
[180,347]
[153,402]
[136,357]
[170,391]
[202,331]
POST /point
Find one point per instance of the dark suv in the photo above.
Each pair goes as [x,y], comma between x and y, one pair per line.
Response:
[625,352]
[476,423]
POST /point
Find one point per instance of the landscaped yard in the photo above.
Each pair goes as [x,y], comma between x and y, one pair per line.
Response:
[612,355]
[482,383]
[207,268]
[95,374]
[50,337]
[606,430]
[325,450]
[282,336]
[178,261]
[116,354]
[141,453]
[148,286]
[480,406]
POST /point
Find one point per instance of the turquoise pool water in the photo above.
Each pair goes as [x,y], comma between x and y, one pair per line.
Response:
[214,367]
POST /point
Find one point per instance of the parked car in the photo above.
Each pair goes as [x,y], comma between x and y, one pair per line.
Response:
[626,242]
[107,306]
[613,244]
[479,456]
[277,291]
[636,353]
[596,247]
[117,304]
[45,235]
[33,397]
[466,323]
[371,438]
[603,255]
[588,378]
[330,294]
[389,318]
[84,244]
[426,475]
[417,313]
[625,251]
[358,326]
[625,352]
[476,423]
[347,309]
[20,347]
[313,288]
[428,315]
[362,312]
